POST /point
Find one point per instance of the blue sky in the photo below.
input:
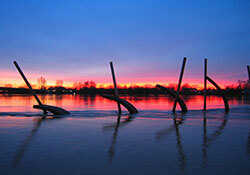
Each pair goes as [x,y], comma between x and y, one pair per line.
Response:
[74,40]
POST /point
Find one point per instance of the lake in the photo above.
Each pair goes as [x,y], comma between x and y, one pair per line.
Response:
[94,139]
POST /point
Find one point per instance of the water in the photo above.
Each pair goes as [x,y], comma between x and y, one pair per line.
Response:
[95,140]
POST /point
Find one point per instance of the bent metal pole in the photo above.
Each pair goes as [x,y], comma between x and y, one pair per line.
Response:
[180,80]
[27,83]
[115,86]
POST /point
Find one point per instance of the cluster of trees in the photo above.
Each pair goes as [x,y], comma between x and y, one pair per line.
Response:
[42,84]
[86,84]
[243,84]
[242,87]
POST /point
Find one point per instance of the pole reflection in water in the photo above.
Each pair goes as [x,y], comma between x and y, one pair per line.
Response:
[182,157]
[207,141]
[204,149]
[116,126]
[164,133]
[37,121]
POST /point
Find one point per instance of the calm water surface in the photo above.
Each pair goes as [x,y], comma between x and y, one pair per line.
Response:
[95,140]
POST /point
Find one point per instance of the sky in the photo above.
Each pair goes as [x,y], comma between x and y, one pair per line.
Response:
[74,40]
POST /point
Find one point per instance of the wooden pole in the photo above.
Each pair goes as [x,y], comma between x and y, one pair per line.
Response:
[27,83]
[248,70]
[205,84]
[115,86]
[180,80]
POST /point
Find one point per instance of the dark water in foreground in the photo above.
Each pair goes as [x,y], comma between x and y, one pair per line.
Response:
[95,140]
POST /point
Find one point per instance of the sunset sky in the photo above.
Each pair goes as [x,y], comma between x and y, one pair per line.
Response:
[74,40]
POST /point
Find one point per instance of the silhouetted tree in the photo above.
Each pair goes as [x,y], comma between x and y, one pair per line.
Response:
[8,85]
[92,84]
[242,84]
[86,84]
[186,85]
[77,85]
[42,82]
[59,83]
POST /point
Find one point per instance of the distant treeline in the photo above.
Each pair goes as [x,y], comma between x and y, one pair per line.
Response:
[131,90]
[90,87]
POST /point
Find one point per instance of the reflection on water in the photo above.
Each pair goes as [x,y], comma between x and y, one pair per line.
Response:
[208,140]
[115,127]
[248,144]
[95,140]
[21,103]
[182,157]
[23,147]
[177,121]
[113,142]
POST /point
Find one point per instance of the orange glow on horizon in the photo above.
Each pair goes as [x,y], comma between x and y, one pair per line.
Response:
[18,84]
[13,79]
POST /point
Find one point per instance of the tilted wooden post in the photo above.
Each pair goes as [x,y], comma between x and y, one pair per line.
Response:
[248,70]
[28,84]
[180,80]
[115,86]
[205,84]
